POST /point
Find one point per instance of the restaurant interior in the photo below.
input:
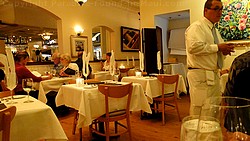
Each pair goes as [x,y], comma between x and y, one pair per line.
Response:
[131,30]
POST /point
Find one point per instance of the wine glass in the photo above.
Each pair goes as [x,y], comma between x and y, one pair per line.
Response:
[11,80]
[117,75]
[27,85]
[224,119]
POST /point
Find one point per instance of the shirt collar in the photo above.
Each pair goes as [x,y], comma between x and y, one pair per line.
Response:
[210,24]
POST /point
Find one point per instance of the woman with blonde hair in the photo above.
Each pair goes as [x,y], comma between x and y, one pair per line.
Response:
[68,67]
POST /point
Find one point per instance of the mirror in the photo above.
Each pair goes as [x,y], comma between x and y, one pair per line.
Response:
[101,41]
[38,38]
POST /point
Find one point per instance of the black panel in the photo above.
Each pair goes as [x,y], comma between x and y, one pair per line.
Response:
[150,50]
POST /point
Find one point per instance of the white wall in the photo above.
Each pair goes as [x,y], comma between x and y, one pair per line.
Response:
[151,8]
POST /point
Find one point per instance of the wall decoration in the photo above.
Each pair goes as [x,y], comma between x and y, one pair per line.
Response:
[78,43]
[130,39]
[234,23]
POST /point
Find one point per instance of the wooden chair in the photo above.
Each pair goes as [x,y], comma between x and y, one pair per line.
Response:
[114,91]
[6,116]
[164,98]
[5,94]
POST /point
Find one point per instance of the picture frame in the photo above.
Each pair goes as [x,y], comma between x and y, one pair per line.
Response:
[130,39]
[78,43]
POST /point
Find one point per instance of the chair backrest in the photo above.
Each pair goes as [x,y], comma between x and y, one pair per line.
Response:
[5,94]
[169,79]
[116,91]
[6,116]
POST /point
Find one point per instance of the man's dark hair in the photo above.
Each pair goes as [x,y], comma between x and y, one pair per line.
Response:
[208,3]
[21,55]
[108,54]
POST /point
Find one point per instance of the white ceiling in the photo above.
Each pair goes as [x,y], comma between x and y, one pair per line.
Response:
[175,15]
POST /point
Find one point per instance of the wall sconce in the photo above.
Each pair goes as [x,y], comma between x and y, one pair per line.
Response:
[81,2]
[78,30]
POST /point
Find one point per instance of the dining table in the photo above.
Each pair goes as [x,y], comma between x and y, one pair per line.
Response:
[33,121]
[53,84]
[152,86]
[90,102]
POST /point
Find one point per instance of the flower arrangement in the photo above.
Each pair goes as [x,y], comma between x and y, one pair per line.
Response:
[234,23]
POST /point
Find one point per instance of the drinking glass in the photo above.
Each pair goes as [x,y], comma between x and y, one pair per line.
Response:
[224,119]
[53,71]
[27,85]
[189,128]
[117,75]
[11,84]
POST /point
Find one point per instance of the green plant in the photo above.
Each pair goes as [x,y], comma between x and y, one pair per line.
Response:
[234,23]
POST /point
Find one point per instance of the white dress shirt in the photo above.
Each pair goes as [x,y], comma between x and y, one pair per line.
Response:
[200,47]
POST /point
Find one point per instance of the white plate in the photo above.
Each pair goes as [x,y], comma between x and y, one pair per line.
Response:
[88,87]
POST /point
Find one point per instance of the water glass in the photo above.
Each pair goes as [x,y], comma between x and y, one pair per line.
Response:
[189,128]
[229,115]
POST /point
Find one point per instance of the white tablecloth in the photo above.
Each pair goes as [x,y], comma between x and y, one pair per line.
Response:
[35,121]
[152,86]
[90,102]
[223,82]
[53,84]
[102,75]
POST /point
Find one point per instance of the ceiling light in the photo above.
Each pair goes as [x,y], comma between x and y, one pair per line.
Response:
[81,2]
[46,37]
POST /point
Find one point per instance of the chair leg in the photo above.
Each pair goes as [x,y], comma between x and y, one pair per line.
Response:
[177,109]
[90,132]
[75,122]
[116,126]
[129,128]
[80,133]
[163,112]
[107,131]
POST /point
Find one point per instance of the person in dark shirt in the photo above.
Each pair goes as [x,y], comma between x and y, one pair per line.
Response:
[2,81]
[238,86]
[80,63]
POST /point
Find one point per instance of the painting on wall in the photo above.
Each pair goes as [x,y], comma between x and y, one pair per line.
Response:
[130,39]
[78,43]
[234,23]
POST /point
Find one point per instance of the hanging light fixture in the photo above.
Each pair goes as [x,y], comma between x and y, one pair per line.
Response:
[45,36]
[81,2]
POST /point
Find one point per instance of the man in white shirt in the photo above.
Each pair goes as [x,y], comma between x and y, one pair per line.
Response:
[205,53]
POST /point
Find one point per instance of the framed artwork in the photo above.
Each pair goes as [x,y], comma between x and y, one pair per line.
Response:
[78,43]
[130,39]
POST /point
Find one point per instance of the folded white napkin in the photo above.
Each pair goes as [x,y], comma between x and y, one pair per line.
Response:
[37,74]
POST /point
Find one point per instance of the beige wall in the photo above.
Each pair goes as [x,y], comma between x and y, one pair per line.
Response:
[88,16]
